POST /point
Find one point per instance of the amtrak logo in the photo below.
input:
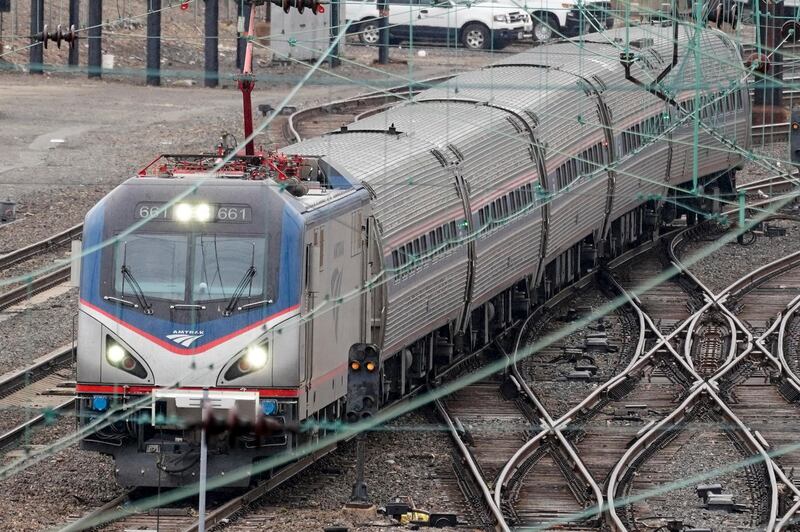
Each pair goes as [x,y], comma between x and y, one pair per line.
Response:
[185,338]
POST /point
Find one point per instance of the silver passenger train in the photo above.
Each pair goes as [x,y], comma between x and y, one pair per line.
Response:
[420,231]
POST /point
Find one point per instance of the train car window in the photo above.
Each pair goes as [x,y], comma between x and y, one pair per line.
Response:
[396,259]
[504,206]
[454,233]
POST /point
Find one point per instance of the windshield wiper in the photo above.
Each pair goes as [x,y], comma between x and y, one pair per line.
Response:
[246,280]
[137,290]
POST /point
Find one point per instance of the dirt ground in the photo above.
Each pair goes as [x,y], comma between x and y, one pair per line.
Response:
[65,141]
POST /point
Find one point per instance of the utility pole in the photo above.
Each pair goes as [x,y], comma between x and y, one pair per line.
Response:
[768,94]
[334,56]
[36,63]
[383,32]
[95,35]
[74,21]
[154,43]
[212,44]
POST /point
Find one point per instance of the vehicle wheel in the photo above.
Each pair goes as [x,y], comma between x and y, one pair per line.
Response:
[475,36]
[369,33]
[544,26]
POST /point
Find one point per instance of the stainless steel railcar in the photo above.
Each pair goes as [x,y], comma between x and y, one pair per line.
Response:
[423,230]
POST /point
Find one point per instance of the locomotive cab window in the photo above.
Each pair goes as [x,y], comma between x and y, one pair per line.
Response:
[164,278]
[190,267]
[222,263]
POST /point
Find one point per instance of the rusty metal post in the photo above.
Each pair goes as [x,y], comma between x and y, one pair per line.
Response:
[242,10]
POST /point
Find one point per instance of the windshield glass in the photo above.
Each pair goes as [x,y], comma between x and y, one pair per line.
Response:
[161,263]
[157,262]
[220,263]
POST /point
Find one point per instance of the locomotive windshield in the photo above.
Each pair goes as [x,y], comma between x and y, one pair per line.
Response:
[190,268]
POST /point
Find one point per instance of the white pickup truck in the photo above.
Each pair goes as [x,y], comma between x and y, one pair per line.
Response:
[482,24]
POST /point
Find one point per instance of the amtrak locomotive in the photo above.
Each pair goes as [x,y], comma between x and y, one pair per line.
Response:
[413,236]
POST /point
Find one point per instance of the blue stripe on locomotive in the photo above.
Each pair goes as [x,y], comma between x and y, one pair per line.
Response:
[288,281]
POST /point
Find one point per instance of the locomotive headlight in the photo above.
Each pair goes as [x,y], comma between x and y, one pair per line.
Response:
[256,357]
[121,358]
[183,212]
[115,354]
[202,212]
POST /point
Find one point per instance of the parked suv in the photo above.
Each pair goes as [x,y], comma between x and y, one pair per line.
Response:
[479,24]
[475,25]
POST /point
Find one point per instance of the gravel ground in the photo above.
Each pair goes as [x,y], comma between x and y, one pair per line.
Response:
[111,129]
[411,456]
[775,153]
[14,276]
[724,266]
[19,344]
[68,483]
[692,458]
[10,417]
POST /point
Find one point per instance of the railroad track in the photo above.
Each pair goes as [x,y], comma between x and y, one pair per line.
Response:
[321,119]
[737,399]
[32,389]
[48,278]
[699,375]
[770,133]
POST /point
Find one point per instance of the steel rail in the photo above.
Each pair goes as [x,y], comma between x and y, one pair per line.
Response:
[18,380]
[15,434]
[35,286]
[232,506]
[48,244]
[473,467]
[13,381]
[84,523]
